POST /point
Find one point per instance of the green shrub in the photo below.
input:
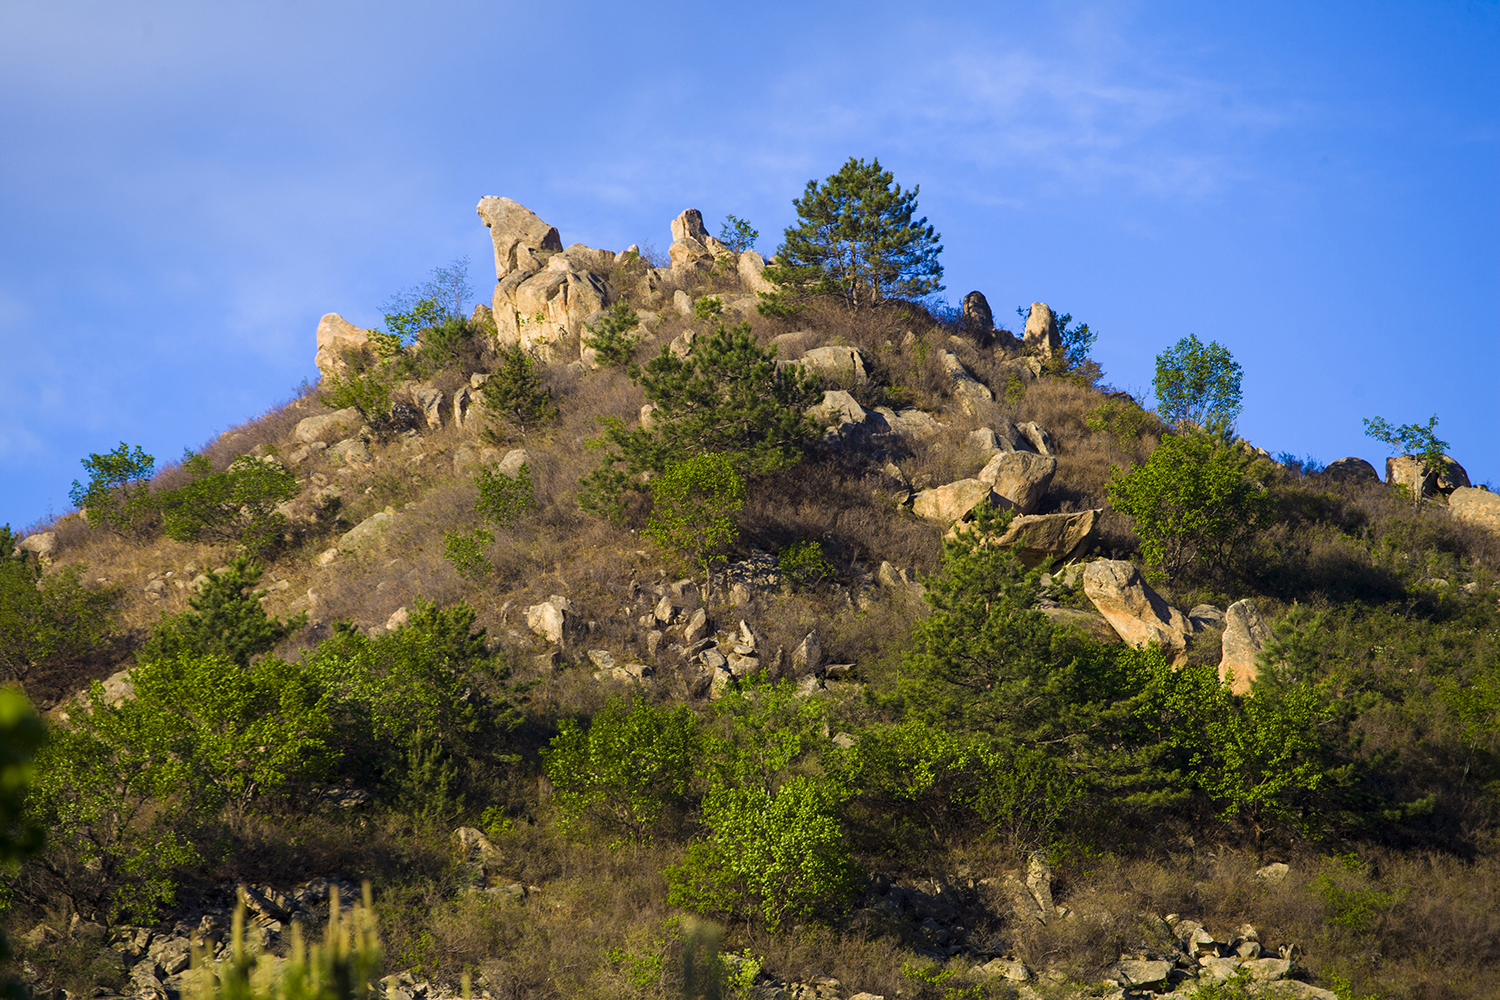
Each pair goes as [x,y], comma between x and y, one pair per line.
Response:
[1191,501]
[118,496]
[503,499]
[803,567]
[707,308]
[626,768]
[695,506]
[47,619]
[514,394]
[610,338]
[1121,420]
[225,618]
[737,234]
[466,551]
[236,505]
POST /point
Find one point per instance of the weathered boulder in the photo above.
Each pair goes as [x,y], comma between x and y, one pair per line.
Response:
[429,399]
[807,658]
[1474,506]
[41,544]
[1039,439]
[689,254]
[350,451]
[1041,330]
[752,268]
[553,619]
[1091,625]
[840,365]
[1019,478]
[1139,972]
[968,390]
[519,235]
[838,412]
[1410,472]
[1352,470]
[1040,539]
[1453,477]
[911,422]
[368,533]
[336,336]
[511,464]
[954,502]
[1136,611]
[1204,616]
[689,226]
[978,318]
[1245,636]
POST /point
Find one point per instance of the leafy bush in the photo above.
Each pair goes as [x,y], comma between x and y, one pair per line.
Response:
[225,619]
[514,393]
[1123,421]
[626,768]
[609,337]
[707,308]
[47,619]
[1190,501]
[118,495]
[503,499]
[1198,384]
[768,854]
[803,567]
[466,551]
[236,505]
[694,506]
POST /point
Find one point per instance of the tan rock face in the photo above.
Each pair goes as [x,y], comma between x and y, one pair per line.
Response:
[1019,478]
[752,265]
[1136,612]
[337,335]
[515,230]
[955,502]
[1479,507]
[1245,635]
[1041,330]
[978,317]
[1352,469]
[842,365]
[689,226]
[1046,538]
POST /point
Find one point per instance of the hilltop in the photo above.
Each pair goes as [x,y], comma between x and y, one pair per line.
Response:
[684,582]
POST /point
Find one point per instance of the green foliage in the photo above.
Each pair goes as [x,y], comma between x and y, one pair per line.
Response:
[424,314]
[364,382]
[610,338]
[626,768]
[727,396]
[466,551]
[514,393]
[438,301]
[803,567]
[236,505]
[856,237]
[1349,901]
[503,499]
[47,619]
[737,234]
[420,700]
[1419,440]
[225,619]
[21,736]
[771,854]
[1191,501]
[778,304]
[118,495]
[1197,384]
[707,308]
[1122,420]
[695,504]
[345,965]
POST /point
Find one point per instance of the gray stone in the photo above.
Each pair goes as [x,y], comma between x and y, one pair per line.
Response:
[752,267]
[511,464]
[807,658]
[839,412]
[1205,616]
[1245,637]
[689,226]
[345,421]
[368,533]
[840,365]
[696,628]
[1273,873]
[969,391]
[1142,973]
[1039,439]
[351,451]
[1475,506]
[429,400]
[911,422]
[1040,539]
[1041,330]
[41,544]
[553,619]
[1353,470]
[518,234]
[977,315]
[337,337]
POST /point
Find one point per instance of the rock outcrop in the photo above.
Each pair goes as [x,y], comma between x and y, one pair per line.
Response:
[1042,539]
[1136,612]
[1041,330]
[1245,636]
[1352,470]
[1477,507]
[946,505]
[336,337]
[1019,478]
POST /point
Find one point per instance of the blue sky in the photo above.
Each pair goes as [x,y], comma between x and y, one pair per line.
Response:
[186,187]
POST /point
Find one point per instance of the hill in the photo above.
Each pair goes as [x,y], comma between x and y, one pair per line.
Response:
[680,584]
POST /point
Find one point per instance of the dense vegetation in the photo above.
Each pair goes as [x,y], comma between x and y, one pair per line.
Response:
[271,742]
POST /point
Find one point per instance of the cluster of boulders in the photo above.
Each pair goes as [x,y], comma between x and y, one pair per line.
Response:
[157,961]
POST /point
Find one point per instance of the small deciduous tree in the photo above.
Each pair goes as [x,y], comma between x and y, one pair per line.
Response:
[1198,383]
[1418,440]
[695,506]
[118,494]
[235,505]
[857,236]
[1191,500]
[737,234]
[46,619]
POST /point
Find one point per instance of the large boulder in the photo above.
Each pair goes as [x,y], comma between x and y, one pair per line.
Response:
[1352,470]
[840,365]
[1408,470]
[1453,477]
[689,226]
[969,391]
[553,619]
[41,544]
[519,235]
[978,318]
[839,412]
[1245,636]
[1136,612]
[1041,330]
[336,424]
[336,337]
[1020,478]
[1042,539]
[368,533]
[1037,437]
[752,267]
[954,502]
[1477,507]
